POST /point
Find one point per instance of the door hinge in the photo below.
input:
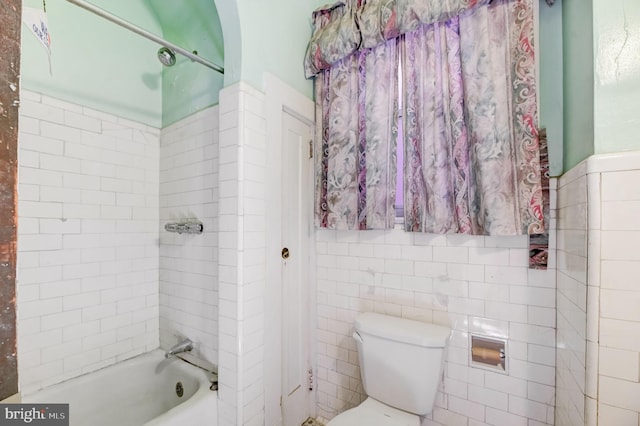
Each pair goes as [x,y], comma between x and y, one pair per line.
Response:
[281,400]
[310,148]
[310,379]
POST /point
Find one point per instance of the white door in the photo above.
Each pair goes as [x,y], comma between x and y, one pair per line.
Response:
[297,193]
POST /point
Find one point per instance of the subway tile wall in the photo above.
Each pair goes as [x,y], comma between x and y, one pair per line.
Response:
[572,297]
[598,374]
[241,242]
[616,232]
[188,262]
[473,284]
[87,240]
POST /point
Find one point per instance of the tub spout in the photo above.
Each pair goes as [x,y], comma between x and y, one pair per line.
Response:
[184,346]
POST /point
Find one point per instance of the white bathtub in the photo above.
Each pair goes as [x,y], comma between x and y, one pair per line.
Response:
[139,391]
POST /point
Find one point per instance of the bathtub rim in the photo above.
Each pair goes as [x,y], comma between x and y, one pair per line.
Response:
[202,398]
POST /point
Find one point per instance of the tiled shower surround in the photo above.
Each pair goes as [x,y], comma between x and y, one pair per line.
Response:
[99,278]
[473,284]
[188,262]
[87,240]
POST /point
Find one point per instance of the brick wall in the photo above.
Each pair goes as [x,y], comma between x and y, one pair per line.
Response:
[88,230]
[9,97]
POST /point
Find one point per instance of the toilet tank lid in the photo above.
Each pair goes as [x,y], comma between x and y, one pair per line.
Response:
[402,330]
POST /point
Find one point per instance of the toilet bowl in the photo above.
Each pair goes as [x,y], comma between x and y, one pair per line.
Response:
[401,363]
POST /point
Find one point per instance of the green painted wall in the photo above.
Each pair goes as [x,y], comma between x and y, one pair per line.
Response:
[97,63]
[275,34]
[230,21]
[577,22]
[602,78]
[101,65]
[113,70]
[190,87]
[617,75]
[550,85]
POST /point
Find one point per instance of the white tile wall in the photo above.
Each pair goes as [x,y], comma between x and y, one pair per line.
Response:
[241,242]
[87,240]
[473,285]
[598,375]
[619,299]
[188,263]
[572,298]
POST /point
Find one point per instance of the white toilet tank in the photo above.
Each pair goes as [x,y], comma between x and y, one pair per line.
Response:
[401,360]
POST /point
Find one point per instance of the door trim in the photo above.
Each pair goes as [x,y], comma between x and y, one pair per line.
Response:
[280,97]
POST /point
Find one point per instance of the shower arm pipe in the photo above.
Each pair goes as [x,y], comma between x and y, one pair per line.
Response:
[144,33]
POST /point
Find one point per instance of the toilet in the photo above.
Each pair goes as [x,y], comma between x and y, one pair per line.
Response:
[401,363]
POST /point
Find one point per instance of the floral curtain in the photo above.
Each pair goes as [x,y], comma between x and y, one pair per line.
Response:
[472,161]
[470,114]
[351,25]
[356,104]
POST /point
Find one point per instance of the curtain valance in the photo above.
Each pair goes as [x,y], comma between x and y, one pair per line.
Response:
[347,28]
[470,153]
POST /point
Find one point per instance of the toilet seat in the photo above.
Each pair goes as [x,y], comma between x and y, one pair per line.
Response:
[372,412]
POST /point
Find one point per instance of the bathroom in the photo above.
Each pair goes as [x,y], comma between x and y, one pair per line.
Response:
[572,331]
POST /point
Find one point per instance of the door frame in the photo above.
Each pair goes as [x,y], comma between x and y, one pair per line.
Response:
[281,98]
[297,172]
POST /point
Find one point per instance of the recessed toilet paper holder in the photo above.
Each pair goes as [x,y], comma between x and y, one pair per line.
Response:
[488,352]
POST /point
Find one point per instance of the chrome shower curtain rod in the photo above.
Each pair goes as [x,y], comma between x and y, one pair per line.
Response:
[144,33]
